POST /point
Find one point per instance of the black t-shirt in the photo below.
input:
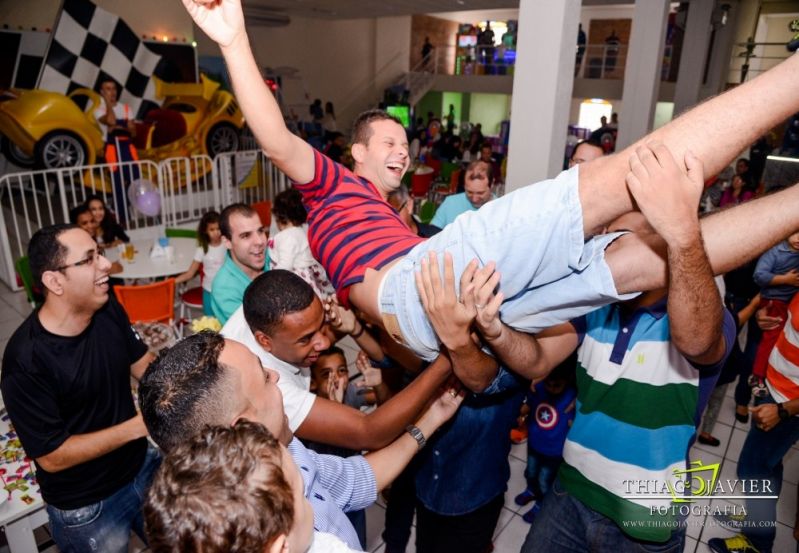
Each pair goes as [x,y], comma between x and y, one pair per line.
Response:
[56,386]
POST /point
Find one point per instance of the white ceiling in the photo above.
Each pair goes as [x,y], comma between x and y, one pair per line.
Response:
[458,10]
[353,9]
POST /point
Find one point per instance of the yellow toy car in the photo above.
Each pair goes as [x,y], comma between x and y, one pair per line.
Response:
[50,130]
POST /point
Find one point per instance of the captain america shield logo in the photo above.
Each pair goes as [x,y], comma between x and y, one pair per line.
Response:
[546,416]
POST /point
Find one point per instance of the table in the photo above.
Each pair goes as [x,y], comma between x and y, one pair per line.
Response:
[24,509]
[143,266]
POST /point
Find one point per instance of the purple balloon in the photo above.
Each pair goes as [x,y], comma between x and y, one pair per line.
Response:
[149,203]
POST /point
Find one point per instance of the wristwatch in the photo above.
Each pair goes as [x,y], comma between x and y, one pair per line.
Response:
[416,434]
[782,412]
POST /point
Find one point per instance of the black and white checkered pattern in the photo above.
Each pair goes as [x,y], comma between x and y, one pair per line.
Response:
[91,45]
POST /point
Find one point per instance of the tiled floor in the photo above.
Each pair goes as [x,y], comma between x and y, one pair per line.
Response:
[511,529]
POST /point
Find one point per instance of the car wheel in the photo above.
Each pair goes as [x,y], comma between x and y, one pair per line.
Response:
[15,155]
[60,149]
[223,137]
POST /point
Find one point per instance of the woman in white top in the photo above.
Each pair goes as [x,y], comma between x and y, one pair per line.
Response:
[289,248]
[210,255]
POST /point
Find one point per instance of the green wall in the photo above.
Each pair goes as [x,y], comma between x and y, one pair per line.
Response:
[489,110]
[455,99]
[430,102]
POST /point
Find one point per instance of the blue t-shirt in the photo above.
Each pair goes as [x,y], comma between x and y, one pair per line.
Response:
[450,208]
[548,422]
[777,261]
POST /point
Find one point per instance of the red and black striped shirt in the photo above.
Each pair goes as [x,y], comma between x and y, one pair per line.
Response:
[350,226]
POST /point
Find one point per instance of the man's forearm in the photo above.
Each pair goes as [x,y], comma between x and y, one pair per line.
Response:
[534,356]
[81,448]
[385,423]
[518,351]
[694,304]
[389,461]
[473,367]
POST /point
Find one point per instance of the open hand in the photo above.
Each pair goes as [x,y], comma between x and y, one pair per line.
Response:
[444,406]
[372,377]
[338,317]
[486,303]
[766,321]
[668,198]
[450,316]
[335,388]
[221,20]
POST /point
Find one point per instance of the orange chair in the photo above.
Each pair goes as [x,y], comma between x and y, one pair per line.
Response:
[264,210]
[149,303]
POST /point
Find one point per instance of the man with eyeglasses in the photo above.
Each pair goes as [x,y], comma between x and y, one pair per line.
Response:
[66,385]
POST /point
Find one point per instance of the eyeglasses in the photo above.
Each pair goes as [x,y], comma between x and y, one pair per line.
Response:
[88,261]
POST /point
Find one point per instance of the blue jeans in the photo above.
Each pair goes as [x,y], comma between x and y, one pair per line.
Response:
[761,460]
[550,273]
[541,472]
[567,525]
[105,526]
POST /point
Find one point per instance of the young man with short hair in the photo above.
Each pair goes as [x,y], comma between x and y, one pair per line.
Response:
[283,322]
[245,238]
[66,385]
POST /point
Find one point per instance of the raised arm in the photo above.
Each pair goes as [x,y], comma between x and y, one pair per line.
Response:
[223,22]
[669,199]
[332,423]
[388,462]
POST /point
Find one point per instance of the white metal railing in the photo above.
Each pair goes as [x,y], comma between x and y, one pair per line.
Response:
[756,58]
[188,187]
[592,61]
[248,177]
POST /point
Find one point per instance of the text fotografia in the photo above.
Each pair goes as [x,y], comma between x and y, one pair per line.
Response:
[695,509]
[698,482]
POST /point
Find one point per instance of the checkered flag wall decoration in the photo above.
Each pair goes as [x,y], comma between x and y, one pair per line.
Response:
[91,45]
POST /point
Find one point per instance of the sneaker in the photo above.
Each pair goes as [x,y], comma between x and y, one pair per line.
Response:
[529,516]
[732,522]
[518,435]
[524,498]
[735,544]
